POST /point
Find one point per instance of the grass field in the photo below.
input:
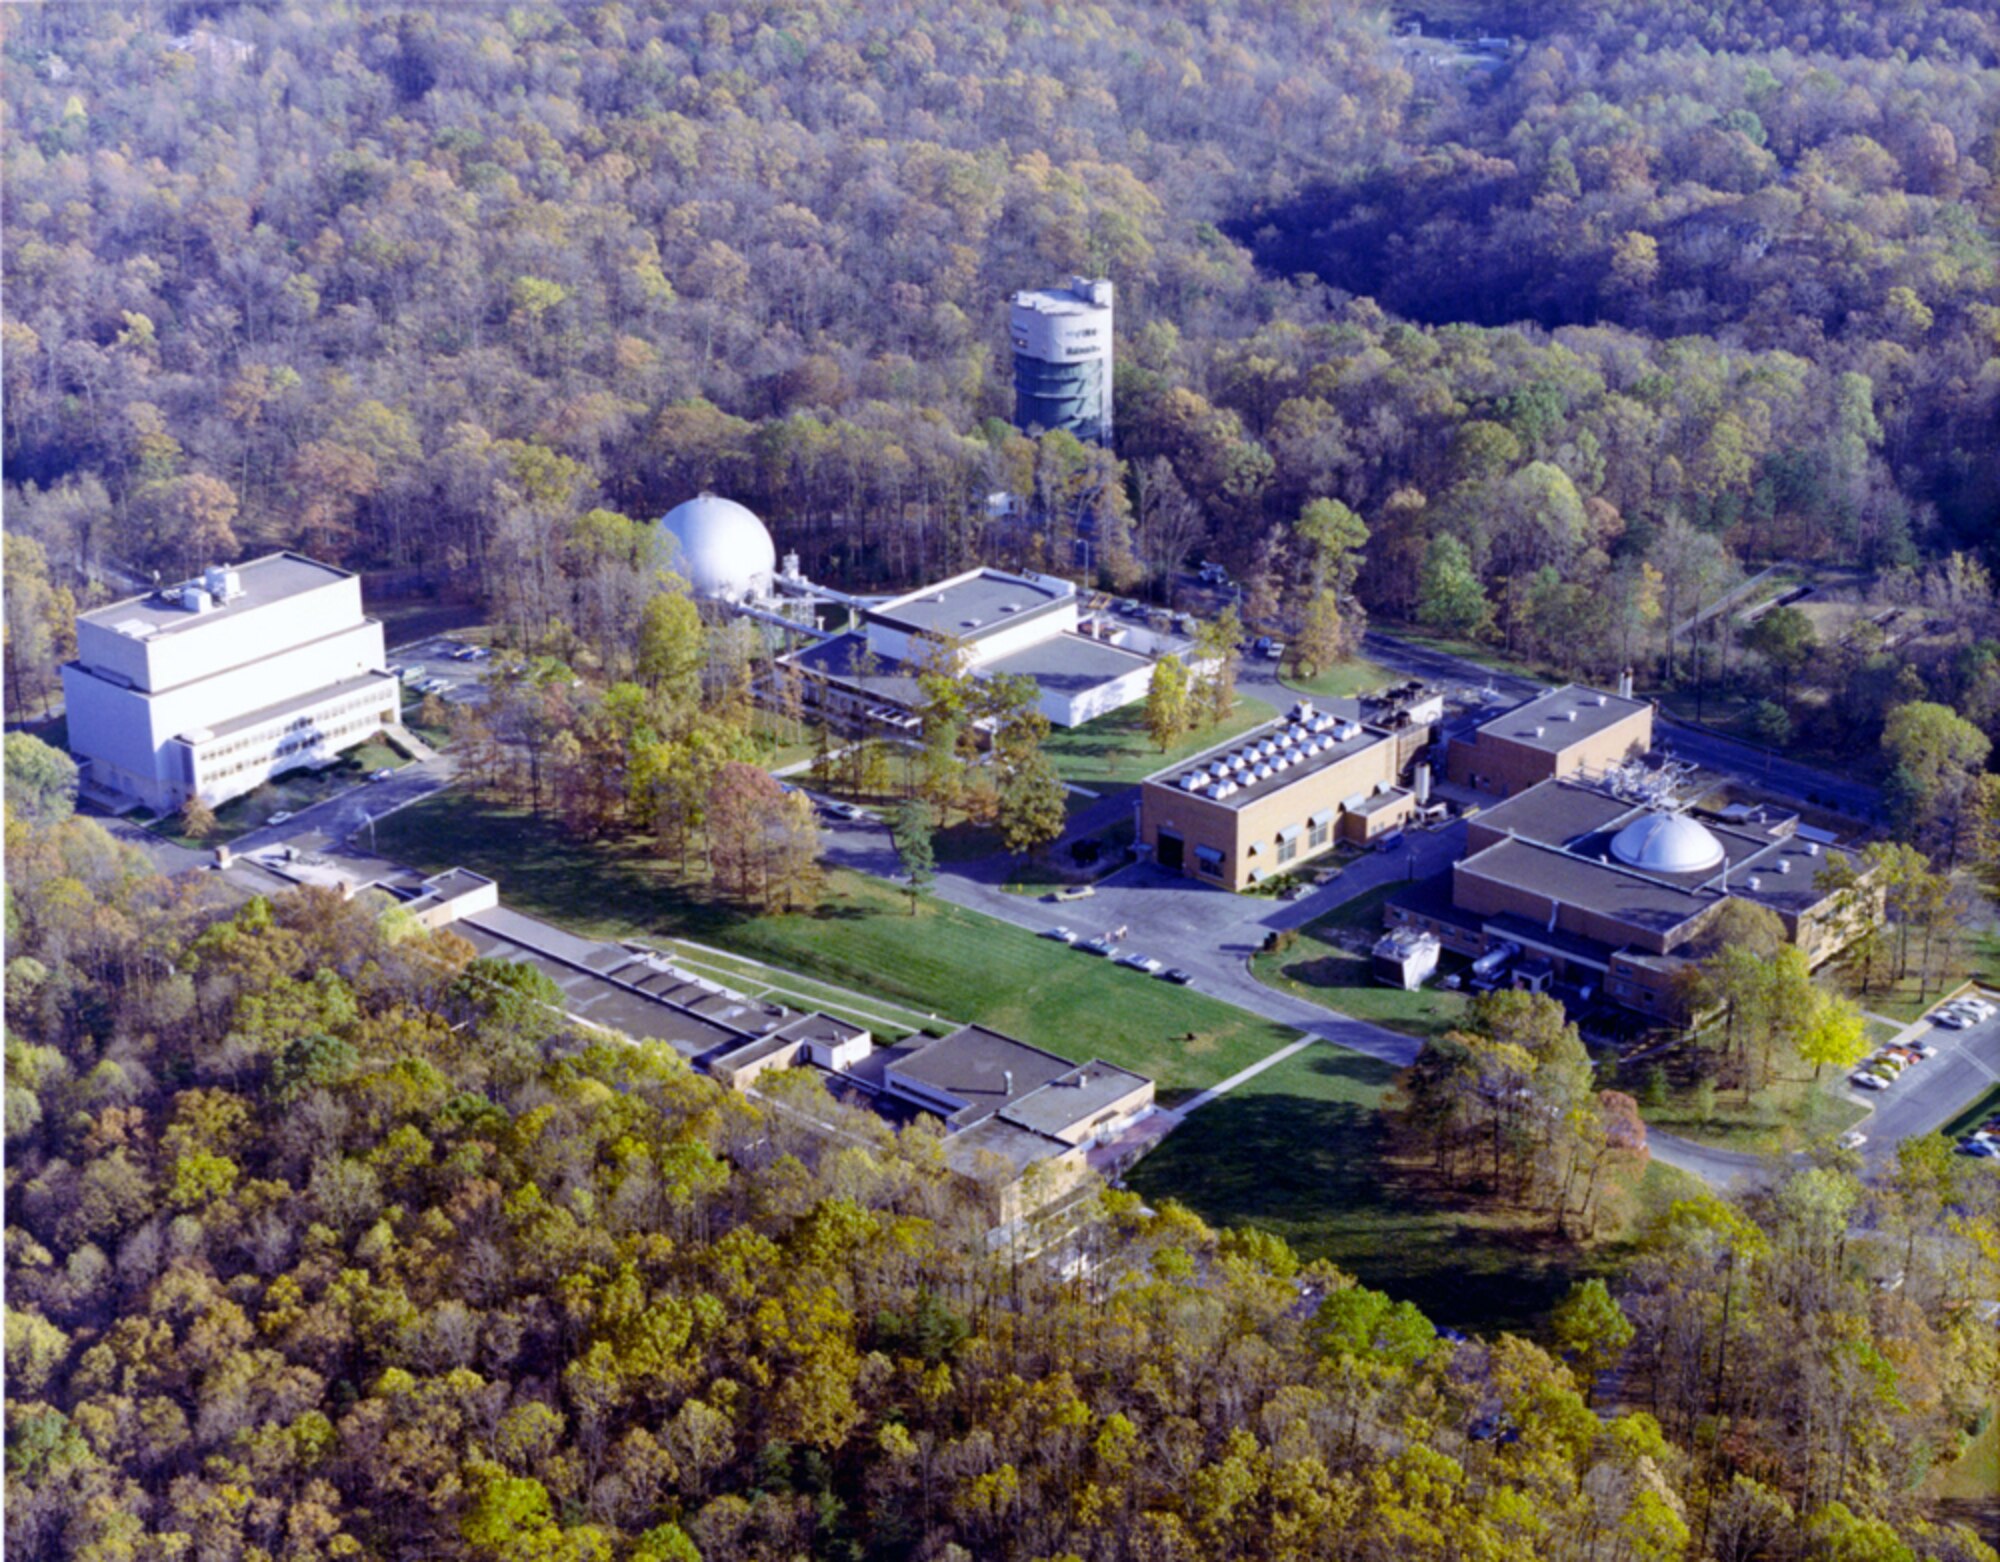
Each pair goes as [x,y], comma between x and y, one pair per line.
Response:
[1319,968]
[955,963]
[1115,751]
[1300,1151]
[1355,676]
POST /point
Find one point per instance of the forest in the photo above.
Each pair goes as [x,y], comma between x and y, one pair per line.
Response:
[328,1239]
[1677,289]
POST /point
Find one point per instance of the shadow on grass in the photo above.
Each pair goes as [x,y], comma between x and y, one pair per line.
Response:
[1319,1169]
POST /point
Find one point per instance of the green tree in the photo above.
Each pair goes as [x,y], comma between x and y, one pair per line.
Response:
[1167,703]
[1449,596]
[41,781]
[915,849]
[1592,1330]
[1034,806]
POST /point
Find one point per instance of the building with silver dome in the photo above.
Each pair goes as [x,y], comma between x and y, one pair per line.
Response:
[721,548]
[1601,890]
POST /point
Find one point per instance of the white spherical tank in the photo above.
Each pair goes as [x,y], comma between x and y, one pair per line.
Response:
[720,547]
[1668,843]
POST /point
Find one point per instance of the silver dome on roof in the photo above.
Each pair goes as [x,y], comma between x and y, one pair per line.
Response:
[721,547]
[1667,843]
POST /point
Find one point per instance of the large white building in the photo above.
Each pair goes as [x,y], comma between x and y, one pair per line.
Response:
[212,687]
[1062,359]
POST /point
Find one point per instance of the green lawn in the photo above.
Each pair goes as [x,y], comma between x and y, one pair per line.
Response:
[1973,1115]
[1318,967]
[1355,676]
[1301,1150]
[955,963]
[1115,751]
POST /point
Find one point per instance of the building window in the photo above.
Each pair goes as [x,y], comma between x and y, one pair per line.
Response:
[1287,850]
[1208,862]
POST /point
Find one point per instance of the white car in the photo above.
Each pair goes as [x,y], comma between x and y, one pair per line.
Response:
[1868,1081]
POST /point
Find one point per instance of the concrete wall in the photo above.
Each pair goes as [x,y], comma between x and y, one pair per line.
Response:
[1064,710]
[1200,821]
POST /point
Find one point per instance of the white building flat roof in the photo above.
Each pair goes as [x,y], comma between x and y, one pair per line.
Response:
[269,579]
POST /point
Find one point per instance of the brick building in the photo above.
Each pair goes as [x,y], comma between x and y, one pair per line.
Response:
[1613,895]
[1571,731]
[1277,796]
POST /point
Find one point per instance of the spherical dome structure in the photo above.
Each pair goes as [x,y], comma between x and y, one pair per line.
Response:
[721,547]
[1667,843]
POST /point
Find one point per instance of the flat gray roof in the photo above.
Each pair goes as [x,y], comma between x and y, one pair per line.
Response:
[284,708]
[269,579]
[1015,1147]
[1555,813]
[1074,1097]
[1068,663]
[892,683]
[1551,711]
[972,1064]
[1332,751]
[1594,886]
[970,606]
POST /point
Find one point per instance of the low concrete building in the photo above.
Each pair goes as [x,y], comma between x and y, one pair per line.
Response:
[1567,732]
[1276,797]
[1614,892]
[212,687]
[999,624]
[1406,957]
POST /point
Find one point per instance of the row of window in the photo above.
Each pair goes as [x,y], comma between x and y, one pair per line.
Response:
[295,744]
[259,737]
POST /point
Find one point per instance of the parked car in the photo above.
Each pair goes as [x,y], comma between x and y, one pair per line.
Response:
[1177,976]
[1145,963]
[1061,935]
[1075,892]
[1101,947]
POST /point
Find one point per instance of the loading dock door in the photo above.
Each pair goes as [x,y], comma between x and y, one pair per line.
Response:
[1172,850]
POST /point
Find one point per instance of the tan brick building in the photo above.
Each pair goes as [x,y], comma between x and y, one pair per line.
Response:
[1611,894]
[1572,731]
[1274,798]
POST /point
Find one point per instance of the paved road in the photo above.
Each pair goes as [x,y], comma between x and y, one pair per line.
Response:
[1683,739]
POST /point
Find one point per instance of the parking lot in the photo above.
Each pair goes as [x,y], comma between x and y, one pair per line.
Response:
[1931,1093]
